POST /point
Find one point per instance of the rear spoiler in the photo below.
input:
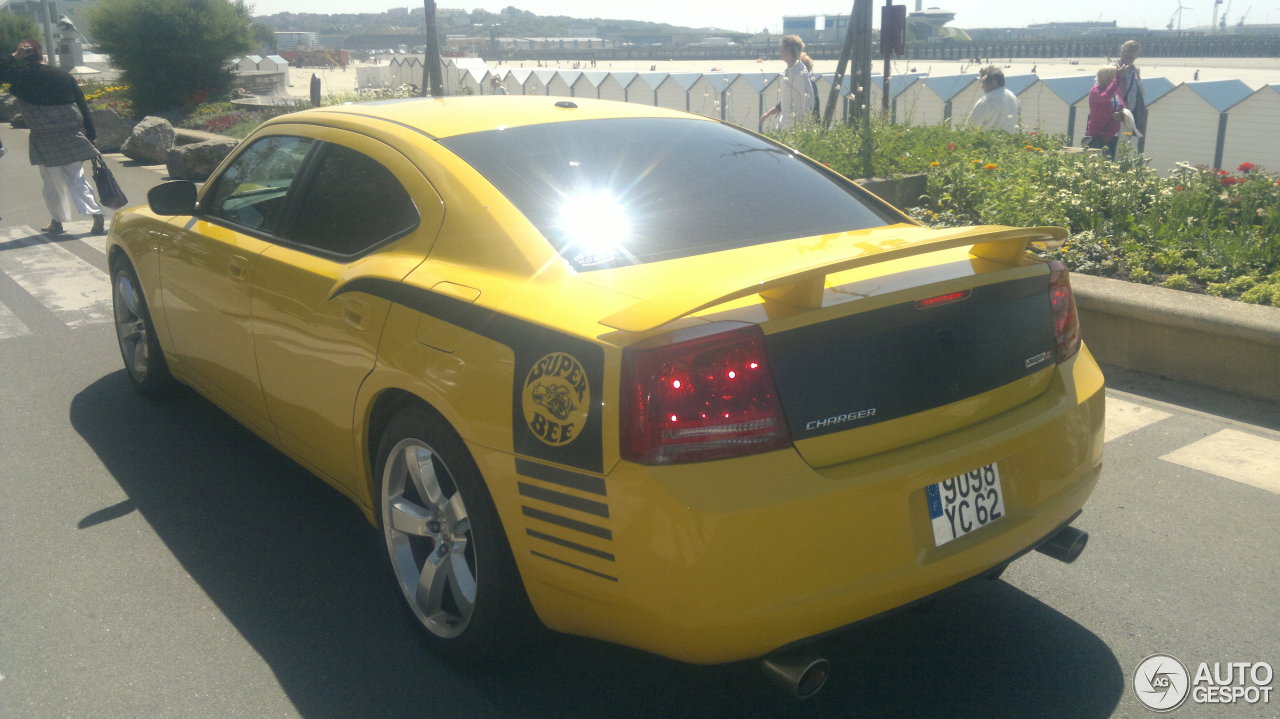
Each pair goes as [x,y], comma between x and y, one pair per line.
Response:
[803,287]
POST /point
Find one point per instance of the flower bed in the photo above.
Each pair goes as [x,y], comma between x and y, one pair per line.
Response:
[1215,232]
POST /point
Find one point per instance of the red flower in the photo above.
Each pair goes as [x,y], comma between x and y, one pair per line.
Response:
[1223,172]
[1179,188]
[1247,167]
[951,146]
[1228,181]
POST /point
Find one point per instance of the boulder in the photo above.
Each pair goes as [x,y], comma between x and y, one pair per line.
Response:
[150,141]
[112,129]
[198,160]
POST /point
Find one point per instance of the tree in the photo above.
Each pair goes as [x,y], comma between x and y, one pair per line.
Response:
[15,28]
[172,54]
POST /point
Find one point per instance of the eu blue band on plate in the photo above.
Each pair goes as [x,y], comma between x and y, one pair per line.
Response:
[935,501]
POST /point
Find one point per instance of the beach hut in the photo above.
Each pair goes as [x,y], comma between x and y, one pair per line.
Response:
[673,92]
[1057,108]
[471,80]
[561,84]
[1251,131]
[273,63]
[932,99]
[248,63]
[1190,123]
[588,84]
[614,85]
[706,94]
[516,79]
[898,86]
[644,89]
[744,98]
[536,84]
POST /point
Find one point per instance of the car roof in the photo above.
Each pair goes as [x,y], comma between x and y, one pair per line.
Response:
[448,116]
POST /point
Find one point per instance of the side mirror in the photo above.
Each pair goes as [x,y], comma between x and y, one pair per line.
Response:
[176,197]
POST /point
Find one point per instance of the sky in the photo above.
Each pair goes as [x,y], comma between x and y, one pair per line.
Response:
[752,15]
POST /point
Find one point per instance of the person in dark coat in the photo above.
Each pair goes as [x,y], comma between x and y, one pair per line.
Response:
[62,133]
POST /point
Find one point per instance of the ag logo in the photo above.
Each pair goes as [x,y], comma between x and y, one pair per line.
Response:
[556,398]
[1161,682]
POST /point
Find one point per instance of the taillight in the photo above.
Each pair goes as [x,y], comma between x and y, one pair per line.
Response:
[706,398]
[1066,325]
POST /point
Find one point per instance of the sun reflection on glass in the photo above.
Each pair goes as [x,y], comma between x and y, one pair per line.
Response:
[596,224]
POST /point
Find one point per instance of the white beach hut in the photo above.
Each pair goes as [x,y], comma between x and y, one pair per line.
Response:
[1057,107]
[1251,131]
[744,98]
[561,84]
[644,89]
[515,80]
[614,85]
[706,95]
[673,92]
[588,84]
[1191,123]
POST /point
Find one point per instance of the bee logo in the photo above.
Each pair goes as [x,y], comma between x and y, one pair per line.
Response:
[556,398]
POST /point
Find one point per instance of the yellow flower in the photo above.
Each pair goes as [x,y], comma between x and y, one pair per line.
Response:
[935,163]
[989,166]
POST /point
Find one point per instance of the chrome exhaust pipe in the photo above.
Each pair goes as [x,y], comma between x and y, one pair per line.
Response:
[800,675]
[1065,545]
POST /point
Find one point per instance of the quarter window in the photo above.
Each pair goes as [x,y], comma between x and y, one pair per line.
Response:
[350,203]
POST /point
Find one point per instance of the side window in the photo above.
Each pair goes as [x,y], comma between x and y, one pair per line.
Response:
[350,203]
[251,192]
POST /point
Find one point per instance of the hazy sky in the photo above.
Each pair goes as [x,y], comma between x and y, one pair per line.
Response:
[752,15]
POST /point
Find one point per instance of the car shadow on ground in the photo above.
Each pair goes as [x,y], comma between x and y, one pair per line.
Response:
[300,573]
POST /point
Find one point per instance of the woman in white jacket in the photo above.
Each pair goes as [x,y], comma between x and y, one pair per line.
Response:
[795,99]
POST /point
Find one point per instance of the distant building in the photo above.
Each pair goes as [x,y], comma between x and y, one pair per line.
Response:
[816,28]
[297,41]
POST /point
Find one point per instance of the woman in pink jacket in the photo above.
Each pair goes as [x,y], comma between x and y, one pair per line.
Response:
[1105,111]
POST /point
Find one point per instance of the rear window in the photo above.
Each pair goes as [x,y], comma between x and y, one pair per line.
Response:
[607,193]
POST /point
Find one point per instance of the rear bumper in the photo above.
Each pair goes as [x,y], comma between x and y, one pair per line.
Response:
[730,560]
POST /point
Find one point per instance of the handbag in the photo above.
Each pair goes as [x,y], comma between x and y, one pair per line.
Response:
[109,192]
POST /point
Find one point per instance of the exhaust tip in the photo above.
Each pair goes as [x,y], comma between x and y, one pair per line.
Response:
[800,676]
[1065,545]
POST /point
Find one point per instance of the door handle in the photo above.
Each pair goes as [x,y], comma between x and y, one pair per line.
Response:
[237,267]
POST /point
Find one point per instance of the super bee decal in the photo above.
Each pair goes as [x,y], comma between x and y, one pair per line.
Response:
[555,389]
[556,398]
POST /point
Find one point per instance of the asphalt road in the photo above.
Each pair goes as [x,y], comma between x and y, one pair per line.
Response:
[156,560]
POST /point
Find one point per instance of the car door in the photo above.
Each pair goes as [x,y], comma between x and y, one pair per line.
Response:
[362,210]
[207,266]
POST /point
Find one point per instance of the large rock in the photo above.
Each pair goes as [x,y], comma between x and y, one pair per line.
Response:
[150,141]
[198,160]
[112,129]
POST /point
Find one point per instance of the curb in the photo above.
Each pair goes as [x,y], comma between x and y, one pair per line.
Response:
[1210,341]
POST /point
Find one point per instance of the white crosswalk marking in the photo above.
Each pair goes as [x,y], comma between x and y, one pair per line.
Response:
[1235,455]
[1124,417]
[10,325]
[76,292]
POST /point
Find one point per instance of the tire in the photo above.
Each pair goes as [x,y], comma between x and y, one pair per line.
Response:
[139,347]
[449,555]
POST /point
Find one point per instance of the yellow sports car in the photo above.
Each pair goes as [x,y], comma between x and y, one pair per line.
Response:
[636,374]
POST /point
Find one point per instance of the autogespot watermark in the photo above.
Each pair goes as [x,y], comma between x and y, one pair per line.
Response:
[1162,683]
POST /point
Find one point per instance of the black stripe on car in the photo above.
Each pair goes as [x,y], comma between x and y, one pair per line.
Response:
[559,379]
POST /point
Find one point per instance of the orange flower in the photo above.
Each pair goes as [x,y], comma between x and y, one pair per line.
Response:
[935,163]
[951,146]
[989,166]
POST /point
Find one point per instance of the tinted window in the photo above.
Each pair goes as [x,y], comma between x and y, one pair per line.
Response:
[251,192]
[350,203]
[616,192]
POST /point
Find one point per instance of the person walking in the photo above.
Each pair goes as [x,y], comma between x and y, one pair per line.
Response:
[795,101]
[1106,110]
[62,134]
[1131,83]
[998,108]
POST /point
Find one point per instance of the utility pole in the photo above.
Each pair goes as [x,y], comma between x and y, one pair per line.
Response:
[432,82]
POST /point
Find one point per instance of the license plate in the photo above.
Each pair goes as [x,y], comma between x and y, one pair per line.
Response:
[964,503]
